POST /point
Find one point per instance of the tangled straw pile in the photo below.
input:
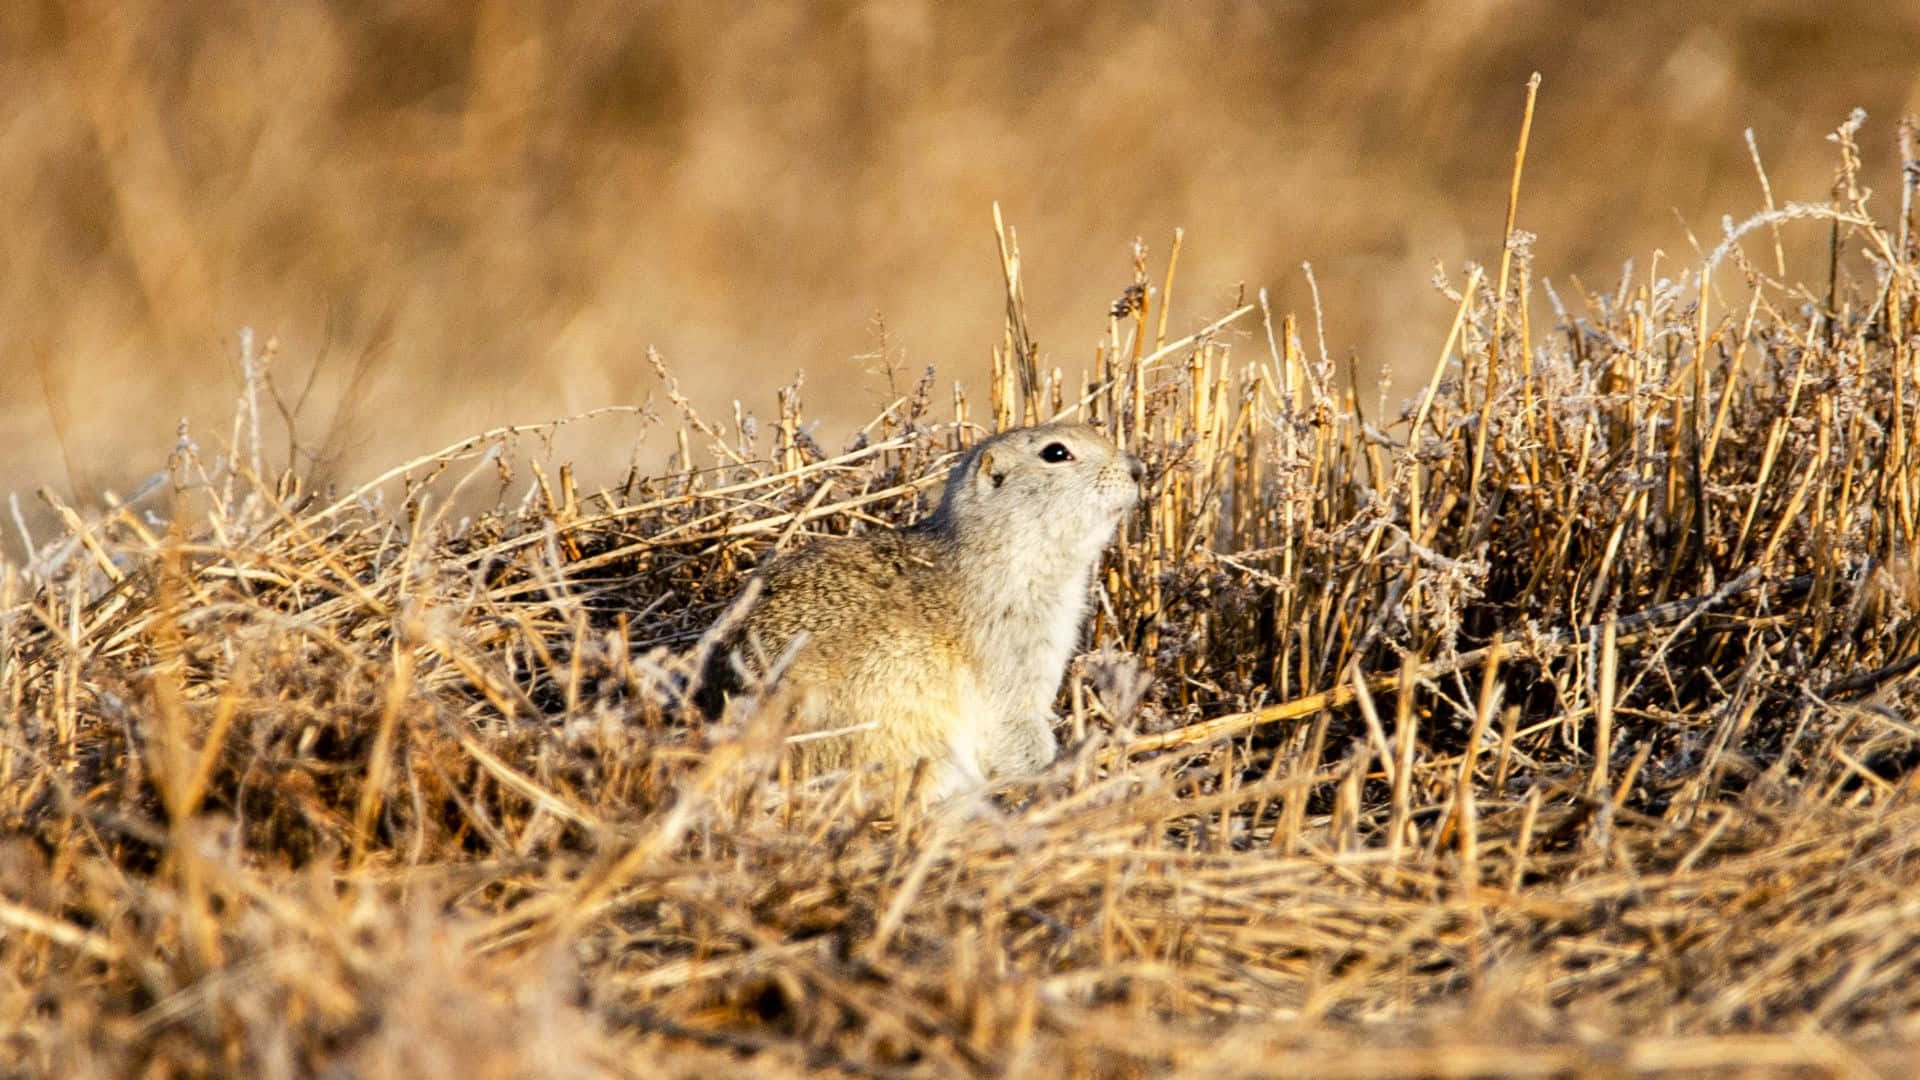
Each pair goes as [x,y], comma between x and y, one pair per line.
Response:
[1561,720]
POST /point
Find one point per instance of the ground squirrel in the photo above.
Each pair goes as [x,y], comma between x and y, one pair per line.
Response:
[945,641]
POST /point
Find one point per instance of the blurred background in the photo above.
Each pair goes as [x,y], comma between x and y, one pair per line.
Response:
[458,215]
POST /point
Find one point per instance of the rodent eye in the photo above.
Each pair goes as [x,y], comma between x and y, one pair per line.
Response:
[1055,453]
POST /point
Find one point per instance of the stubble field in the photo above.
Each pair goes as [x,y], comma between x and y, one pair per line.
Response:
[1550,714]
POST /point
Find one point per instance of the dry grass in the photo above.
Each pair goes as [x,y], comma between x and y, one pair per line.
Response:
[1559,724]
[457,214]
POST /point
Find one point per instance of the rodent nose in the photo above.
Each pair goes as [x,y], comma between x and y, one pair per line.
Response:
[1136,470]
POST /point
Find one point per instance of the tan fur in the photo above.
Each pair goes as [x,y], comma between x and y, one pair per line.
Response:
[946,642]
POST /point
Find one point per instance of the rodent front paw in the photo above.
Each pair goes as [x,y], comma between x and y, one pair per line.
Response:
[1025,746]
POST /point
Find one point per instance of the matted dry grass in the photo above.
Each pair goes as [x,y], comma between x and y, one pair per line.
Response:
[1559,724]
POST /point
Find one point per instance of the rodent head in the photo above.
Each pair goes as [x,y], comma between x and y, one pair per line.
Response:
[1060,485]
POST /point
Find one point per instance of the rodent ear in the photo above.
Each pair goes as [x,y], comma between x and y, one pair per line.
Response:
[987,470]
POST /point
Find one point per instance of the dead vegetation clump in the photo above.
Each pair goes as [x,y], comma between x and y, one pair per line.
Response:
[1560,721]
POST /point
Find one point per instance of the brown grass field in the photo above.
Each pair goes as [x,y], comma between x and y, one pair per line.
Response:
[1553,717]
[459,214]
[1557,724]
